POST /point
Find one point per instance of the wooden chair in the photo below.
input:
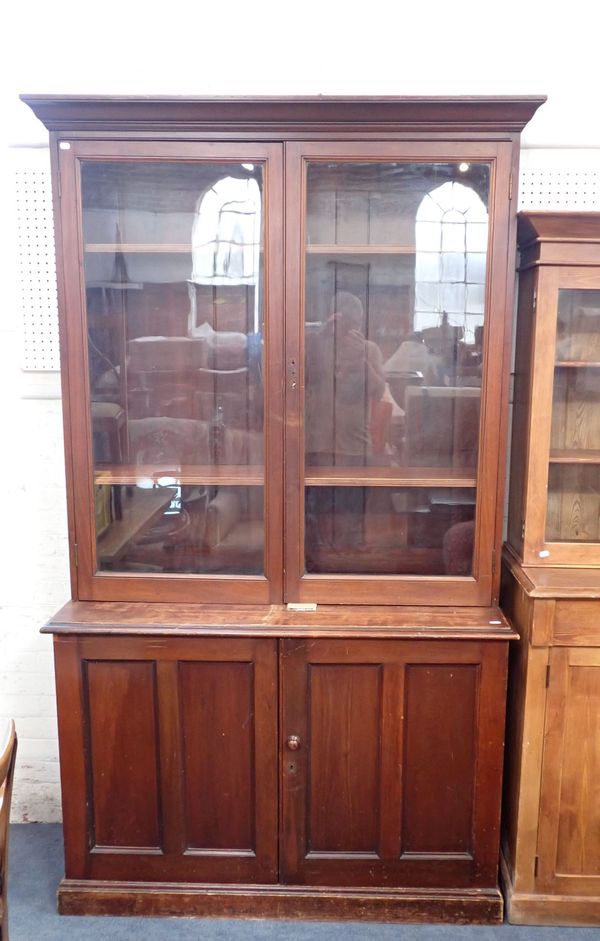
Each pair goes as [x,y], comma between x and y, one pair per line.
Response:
[8,753]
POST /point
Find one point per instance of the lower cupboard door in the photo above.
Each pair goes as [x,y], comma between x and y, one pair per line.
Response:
[169,758]
[391,760]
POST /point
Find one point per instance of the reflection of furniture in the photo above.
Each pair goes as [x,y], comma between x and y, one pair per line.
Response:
[442,426]
[551,842]
[8,754]
[221,753]
[109,423]
[399,380]
[185,376]
[223,522]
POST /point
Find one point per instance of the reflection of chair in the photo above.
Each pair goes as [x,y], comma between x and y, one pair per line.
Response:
[8,753]
[457,548]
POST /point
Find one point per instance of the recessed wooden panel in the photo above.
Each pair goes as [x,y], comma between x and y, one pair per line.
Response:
[439,755]
[345,711]
[217,706]
[123,759]
[578,849]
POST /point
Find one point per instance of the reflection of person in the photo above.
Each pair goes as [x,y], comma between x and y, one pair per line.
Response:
[344,376]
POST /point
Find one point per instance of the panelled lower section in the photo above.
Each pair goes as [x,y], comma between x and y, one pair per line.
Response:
[217,713]
[395,780]
[179,759]
[438,807]
[551,830]
[122,748]
[301,761]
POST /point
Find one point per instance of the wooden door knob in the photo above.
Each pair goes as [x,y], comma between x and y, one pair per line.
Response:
[293,742]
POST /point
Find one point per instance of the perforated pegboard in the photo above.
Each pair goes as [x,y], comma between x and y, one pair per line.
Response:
[36,273]
[560,180]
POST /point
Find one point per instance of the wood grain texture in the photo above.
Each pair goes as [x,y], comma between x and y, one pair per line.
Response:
[579,829]
[346,589]
[423,827]
[439,755]
[525,740]
[176,775]
[520,442]
[555,436]
[569,837]
[551,849]
[382,692]
[577,623]
[109,585]
[121,725]
[217,705]
[479,906]
[122,618]
[344,730]
[559,238]
[164,114]
[555,582]
[538,908]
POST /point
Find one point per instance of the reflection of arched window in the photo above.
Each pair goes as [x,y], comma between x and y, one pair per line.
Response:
[226,233]
[451,243]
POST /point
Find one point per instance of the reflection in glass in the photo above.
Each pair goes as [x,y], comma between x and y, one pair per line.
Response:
[385,530]
[174,312]
[573,512]
[161,524]
[452,227]
[395,272]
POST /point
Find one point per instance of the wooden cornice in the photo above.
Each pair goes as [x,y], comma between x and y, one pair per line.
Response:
[282,116]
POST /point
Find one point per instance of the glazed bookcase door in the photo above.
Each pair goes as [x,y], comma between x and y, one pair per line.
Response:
[173,346]
[565,462]
[395,342]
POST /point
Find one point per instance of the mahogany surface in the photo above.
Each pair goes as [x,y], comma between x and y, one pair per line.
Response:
[92,617]
[185,789]
[220,753]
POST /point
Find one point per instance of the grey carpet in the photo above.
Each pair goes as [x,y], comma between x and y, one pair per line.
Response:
[36,866]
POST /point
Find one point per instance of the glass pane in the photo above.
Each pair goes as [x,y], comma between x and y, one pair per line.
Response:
[578,326]
[383,530]
[573,513]
[174,297]
[160,524]
[394,315]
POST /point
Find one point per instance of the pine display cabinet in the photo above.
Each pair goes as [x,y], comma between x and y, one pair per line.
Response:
[551,580]
[285,339]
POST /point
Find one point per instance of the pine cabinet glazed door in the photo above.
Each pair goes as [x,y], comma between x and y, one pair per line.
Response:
[391,762]
[168,758]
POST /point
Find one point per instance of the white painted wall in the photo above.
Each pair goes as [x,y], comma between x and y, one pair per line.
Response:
[316,47]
